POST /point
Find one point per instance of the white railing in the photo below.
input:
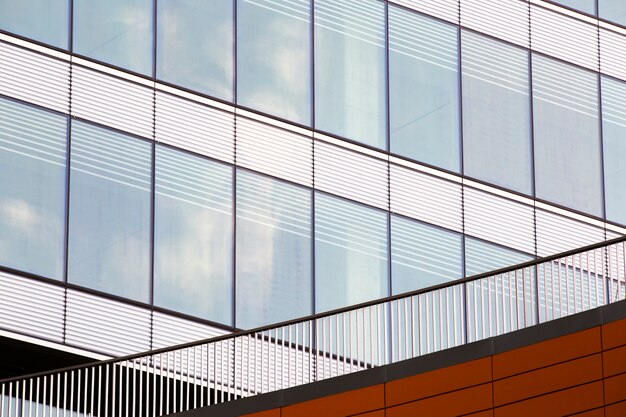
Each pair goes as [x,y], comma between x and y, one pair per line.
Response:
[326,345]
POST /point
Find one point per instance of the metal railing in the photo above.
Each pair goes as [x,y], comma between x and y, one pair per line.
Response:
[326,345]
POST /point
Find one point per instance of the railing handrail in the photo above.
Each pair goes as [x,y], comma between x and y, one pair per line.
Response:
[322,315]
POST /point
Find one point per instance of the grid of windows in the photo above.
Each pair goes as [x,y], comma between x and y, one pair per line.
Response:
[368,71]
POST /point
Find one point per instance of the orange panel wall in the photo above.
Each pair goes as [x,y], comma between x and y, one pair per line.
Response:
[583,373]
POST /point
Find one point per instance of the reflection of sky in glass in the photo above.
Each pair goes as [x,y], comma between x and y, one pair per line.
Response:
[273,251]
[587,6]
[423,89]
[118,32]
[195,45]
[43,20]
[567,135]
[274,57]
[423,255]
[109,230]
[350,69]
[482,257]
[614,135]
[193,236]
[32,202]
[350,253]
[613,10]
[496,113]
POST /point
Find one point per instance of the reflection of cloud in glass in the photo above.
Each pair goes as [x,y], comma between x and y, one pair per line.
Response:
[20,216]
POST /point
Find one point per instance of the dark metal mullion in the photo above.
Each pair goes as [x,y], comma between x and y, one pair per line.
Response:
[70,33]
[464,292]
[154,38]
[313,347]
[531,95]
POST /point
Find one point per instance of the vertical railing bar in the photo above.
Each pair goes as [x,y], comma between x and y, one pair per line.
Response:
[609,272]
[9,408]
[64,394]
[36,400]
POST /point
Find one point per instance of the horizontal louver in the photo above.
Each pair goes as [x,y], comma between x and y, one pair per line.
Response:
[34,77]
[504,19]
[170,330]
[556,233]
[443,9]
[612,52]
[195,127]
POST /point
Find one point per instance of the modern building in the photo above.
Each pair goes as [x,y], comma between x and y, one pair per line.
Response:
[172,170]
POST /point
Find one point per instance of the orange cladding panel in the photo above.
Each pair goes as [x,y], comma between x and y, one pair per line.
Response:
[438,381]
[561,403]
[615,389]
[545,380]
[454,403]
[377,413]
[614,361]
[546,353]
[614,334]
[615,410]
[340,405]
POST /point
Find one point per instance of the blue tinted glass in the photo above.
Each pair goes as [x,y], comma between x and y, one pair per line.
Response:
[482,257]
[351,261]
[587,6]
[118,32]
[613,10]
[273,251]
[109,230]
[193,255]
[496,113]
[614,135]
[423,89]
[32,189]
[423,255]
[567,135]
[350,69]
[42,20]
[195,45]
[274,57]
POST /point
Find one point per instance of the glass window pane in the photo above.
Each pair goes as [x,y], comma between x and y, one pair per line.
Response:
[613,10]
[195,45]
[614,135]
[32,189]
[587,6]
[109,230]
[481,256]
[274,57]
[424,89]
[351,262]
[193,249]
[567,135]
[42,20]
[273,251]
[423,255]
[350,69]
[496,113]
[118,32]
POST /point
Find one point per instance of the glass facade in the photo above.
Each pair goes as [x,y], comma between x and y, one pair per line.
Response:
[42,20]
[110,214]
[273,251]
[195,45]
[193,235]
[613,10]
[424,89]
[351,262]
[33,146]
[243,239]
[350,69]
[115,31]
[274,58]
[497,146]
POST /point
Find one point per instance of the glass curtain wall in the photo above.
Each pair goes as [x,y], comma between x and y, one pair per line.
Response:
[351,262]
[273,267]
[193,235]
[423,89]
[497,144]
[45,21]
[274,57]
[118,32]
[614,141]
[110,212]
[195,45]
[567,135]
[33,146]
[613,10]
[350,70]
